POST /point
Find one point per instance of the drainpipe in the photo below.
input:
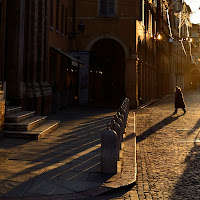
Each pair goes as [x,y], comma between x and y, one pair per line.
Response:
[73,17]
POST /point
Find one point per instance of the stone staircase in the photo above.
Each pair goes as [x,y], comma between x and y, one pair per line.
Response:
[24,124]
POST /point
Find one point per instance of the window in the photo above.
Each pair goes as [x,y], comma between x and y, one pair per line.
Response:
[150,23]
[66,21]
[51,13]
[57,15]
[143,10]
[107,8]
[0,13]
[155,2]
[62,19]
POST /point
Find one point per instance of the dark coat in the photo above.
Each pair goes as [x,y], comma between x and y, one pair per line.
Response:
[179,101]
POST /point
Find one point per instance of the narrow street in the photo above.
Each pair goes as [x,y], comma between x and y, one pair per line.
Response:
[168,148]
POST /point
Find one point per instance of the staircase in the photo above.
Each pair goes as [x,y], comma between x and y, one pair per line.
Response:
[24,124]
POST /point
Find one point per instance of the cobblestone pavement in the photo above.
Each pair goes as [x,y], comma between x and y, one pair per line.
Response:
[168,152]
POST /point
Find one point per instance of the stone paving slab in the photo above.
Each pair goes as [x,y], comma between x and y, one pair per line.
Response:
[14,189]
[66,163]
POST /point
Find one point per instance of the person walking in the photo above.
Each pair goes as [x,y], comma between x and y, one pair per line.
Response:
[179,100]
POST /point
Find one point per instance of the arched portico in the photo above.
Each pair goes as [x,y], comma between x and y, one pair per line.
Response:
[107,36]
[107,71]
[195,79]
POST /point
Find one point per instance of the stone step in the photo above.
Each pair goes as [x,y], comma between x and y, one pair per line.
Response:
[11,109]
[25,125]
[36,133]
[19,116]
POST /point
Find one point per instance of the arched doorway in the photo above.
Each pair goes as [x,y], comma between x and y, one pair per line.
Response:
[107,72]
[195,79]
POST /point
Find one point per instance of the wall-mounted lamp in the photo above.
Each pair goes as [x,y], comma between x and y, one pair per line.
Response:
[81,28]
[157,37]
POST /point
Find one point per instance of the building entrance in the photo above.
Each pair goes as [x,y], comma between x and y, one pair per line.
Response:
[107,72]
[195,79]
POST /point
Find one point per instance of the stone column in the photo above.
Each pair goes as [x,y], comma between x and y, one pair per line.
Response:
[140,82]
[130,81]
[35,48]
[2,37]
[2,112]
[14,47]
[46,47]
[40,40]
[137,81]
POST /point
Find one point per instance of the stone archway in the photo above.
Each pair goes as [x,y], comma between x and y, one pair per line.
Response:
[107,72]
[195,79]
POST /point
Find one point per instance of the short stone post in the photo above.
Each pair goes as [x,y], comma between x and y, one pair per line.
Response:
[125,113]
[109,149]
[117,129]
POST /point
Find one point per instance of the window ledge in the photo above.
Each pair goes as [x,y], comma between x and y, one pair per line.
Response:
[108,17]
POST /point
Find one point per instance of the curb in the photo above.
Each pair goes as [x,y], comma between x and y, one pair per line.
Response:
[123,179]
[152,102]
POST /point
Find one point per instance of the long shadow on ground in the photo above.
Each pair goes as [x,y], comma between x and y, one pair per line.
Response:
[73,155]
[157,127]
[188,185]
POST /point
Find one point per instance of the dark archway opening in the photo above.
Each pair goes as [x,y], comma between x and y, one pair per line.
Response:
[195,79]
[107,73]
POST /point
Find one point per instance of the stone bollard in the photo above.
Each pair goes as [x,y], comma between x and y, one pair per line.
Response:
[119,115]
[123,112]
[117,129]
[109,152]
[110,125]
[120,120]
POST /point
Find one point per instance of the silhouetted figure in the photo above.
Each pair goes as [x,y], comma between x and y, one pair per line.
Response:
[179,101]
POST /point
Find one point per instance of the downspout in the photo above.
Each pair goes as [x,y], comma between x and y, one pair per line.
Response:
[73,17]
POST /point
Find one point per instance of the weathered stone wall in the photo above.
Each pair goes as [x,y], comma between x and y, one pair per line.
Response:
[2,111]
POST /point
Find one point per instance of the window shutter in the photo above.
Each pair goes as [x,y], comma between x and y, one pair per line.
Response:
[111,8]
[102,11]
[107,8]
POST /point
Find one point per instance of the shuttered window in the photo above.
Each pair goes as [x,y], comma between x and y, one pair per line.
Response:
[107,8]
[57,14]
[51,13]
[66,19]
[62,19]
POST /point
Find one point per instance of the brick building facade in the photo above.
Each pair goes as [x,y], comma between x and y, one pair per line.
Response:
[193,75]
[141,66]
[68,51]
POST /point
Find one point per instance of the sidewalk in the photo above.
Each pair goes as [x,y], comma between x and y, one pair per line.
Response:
[66,163]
